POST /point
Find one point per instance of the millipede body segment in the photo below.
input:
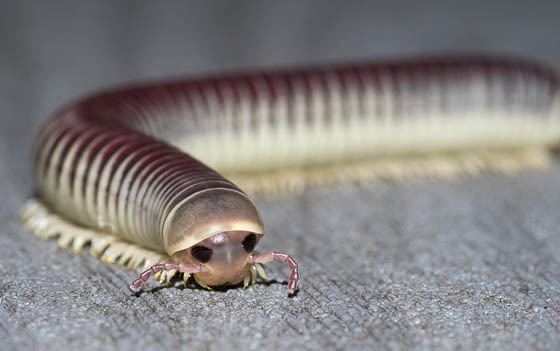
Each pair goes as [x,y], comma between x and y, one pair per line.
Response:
[142,174]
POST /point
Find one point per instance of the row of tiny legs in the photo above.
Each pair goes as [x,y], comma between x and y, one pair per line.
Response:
[187,268]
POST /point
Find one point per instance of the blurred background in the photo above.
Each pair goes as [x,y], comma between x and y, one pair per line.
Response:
[479,271]
[54,51]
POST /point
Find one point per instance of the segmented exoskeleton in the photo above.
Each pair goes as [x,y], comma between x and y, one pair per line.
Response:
[120,170]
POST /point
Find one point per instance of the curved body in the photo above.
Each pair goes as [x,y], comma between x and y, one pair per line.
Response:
[126,162]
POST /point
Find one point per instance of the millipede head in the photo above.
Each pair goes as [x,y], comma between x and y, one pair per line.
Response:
[224,257]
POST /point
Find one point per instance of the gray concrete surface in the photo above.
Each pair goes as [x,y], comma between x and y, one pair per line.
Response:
[471,264]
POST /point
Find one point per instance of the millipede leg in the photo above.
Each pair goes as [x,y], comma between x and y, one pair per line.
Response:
[180,267]
[285,258]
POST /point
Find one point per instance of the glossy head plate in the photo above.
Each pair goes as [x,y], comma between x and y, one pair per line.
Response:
[207,213]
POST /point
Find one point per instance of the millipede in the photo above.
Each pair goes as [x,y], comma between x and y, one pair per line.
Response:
[159,177]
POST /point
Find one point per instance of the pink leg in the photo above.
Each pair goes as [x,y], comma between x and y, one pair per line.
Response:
[281,257]
[180,267]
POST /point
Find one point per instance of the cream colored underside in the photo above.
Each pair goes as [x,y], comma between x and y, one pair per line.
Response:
[281,147]
[275,160]
[448,166]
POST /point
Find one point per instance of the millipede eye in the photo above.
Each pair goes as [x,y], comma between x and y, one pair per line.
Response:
[201,253]
[249,242]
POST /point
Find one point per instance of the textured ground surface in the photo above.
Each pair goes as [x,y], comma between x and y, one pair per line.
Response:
[471,264]
[468,264]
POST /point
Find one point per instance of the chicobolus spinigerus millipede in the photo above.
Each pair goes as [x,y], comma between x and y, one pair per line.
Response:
[119,171]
